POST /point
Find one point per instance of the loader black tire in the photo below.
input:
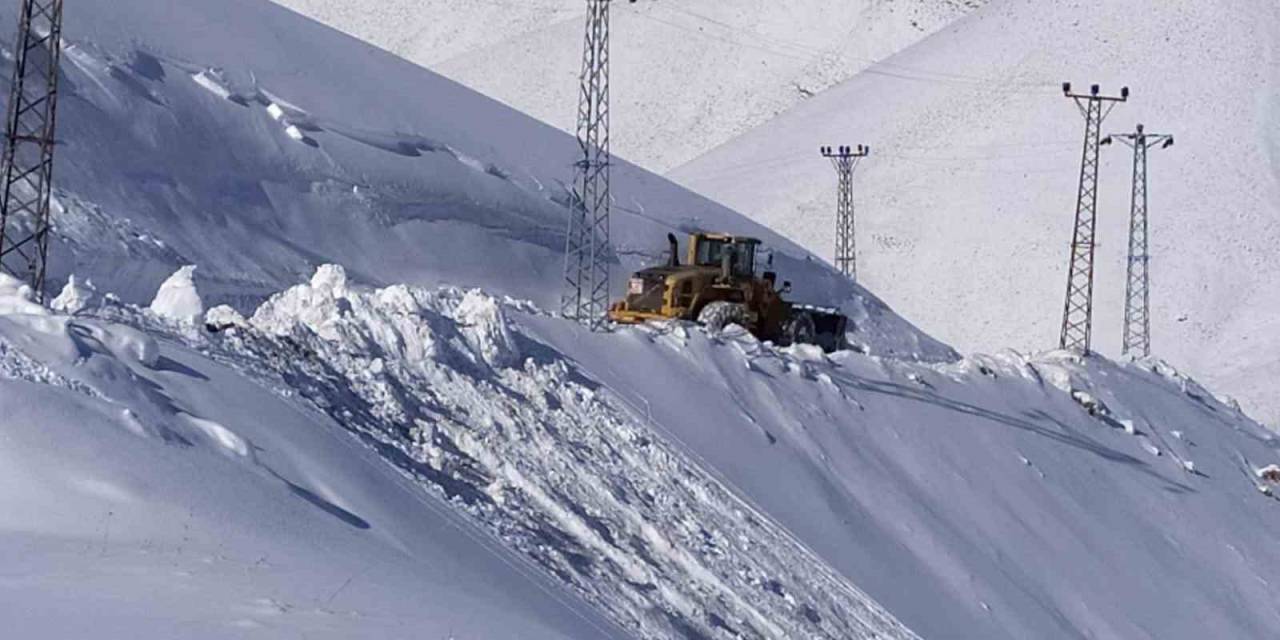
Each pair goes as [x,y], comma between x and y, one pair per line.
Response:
[720,314]
[800,329]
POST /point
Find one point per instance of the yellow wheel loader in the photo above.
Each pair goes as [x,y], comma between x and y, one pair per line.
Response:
[717,286]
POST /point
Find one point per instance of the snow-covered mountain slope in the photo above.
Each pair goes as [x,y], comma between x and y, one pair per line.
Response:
[998,497]
[965,208]
[360,452]
[687,75]
[147,491]
[230,465]
[256,144]
[683,485]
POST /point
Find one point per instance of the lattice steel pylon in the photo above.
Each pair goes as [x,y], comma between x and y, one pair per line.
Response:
[1077,314]
[587,249]
[845,160]
[27,160]
[1137,295]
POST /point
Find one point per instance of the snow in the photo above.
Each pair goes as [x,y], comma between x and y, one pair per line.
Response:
[896,490]
[16,298]
[911,479]
[172,496]
[965,206]
[393,179]
[659,547]
[378,429]
[177,298]
[77,295]
[686,76]
[223,317]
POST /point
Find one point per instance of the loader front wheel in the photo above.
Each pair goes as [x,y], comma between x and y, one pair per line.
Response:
[720,314]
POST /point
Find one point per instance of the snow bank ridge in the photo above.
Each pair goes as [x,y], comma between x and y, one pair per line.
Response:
[456,327]
[475,410]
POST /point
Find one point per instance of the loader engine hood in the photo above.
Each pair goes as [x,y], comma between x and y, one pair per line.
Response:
[645,288]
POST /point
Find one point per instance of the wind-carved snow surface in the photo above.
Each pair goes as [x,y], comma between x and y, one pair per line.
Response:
[512,433]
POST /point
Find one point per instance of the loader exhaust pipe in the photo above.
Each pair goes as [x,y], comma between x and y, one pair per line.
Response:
[675,247]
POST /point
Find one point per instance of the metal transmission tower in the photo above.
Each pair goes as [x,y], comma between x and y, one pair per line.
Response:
[586,266]
[845,160]
[27,162]
[1077,315]
[1137,297]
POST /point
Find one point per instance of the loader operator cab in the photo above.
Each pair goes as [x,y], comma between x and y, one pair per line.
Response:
[711,250]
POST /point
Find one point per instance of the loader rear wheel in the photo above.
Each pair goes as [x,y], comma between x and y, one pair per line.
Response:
[800,329]
[720,314]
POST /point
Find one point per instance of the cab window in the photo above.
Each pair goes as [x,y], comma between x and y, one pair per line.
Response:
[711,252]
[744,258]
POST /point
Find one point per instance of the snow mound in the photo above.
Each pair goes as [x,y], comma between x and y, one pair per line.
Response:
[16,298]
[402,323]
[178,299]
[485,326]
[76,296]
[223,317]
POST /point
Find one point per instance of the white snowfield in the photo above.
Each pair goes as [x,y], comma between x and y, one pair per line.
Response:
[376,429]
[687,75]
[965,208]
